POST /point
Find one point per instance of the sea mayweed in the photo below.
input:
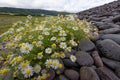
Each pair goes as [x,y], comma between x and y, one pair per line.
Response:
[37,46]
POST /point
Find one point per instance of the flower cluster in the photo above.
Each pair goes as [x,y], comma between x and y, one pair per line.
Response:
[36,46]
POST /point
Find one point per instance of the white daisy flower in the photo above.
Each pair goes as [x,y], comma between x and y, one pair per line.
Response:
[37,68]
[46,33]
[55,64]
[73,43]
[62,33]
[26,48]
[28,72]
[59,28]
[63,45]
[73,58]
[86,30]
[62,38]
[40,55]
[23,65]
[53,38]
[39,77]
[75,28]
[68,49]
[18,38]
[48,50]
[39,43]
[48,63]
[40,37]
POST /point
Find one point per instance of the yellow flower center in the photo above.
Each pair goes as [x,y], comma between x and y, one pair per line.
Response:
[55,63]
[26,48]
[19,59]
[28,71]
[37,68]
[23,65]
[49,63]
[54,45]
[63,45]
[60,66]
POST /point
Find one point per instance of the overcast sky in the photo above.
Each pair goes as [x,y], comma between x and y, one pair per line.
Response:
[59,5]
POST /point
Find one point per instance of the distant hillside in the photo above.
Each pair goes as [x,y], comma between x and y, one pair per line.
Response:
[35,12]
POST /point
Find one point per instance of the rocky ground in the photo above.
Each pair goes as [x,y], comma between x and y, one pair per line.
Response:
[99,58]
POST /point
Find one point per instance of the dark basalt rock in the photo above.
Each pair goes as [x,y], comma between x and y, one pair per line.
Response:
[114,37]
[109,48]
[88,73]
[117,71]
[86,45]
[111,63]
[62,77]
[106,74]
[116,19]
[72,74]
[110,31]
[97,59]
[69,63]
[84,59]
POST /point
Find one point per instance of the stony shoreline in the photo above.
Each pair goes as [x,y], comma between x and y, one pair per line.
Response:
[99,58]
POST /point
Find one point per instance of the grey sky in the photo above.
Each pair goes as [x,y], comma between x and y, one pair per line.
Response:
[59,5]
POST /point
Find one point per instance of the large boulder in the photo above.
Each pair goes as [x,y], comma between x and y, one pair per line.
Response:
[97,59]
[88,73]
[69,63]
[111,63]
[110,31]
[114,37]
[116,19]
[109,48]
[108,25]
[71,74]
[86,45]
[84,58]
[106,74]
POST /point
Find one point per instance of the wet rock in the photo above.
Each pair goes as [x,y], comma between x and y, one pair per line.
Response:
[117,71]
[114,37]
[88,73]
[98,24]
[72,74]
[84,59]
[107,20]
[111,63]
[62,77]
[106,74]
[97,59]
[69,63]
[116,19]
[109,48]
[108,26]
[110,31]
[86,45]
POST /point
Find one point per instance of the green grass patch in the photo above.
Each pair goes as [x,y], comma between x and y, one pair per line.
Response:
[6,21]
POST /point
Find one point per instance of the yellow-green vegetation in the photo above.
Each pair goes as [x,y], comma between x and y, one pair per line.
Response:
[38,45]
[6,21]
